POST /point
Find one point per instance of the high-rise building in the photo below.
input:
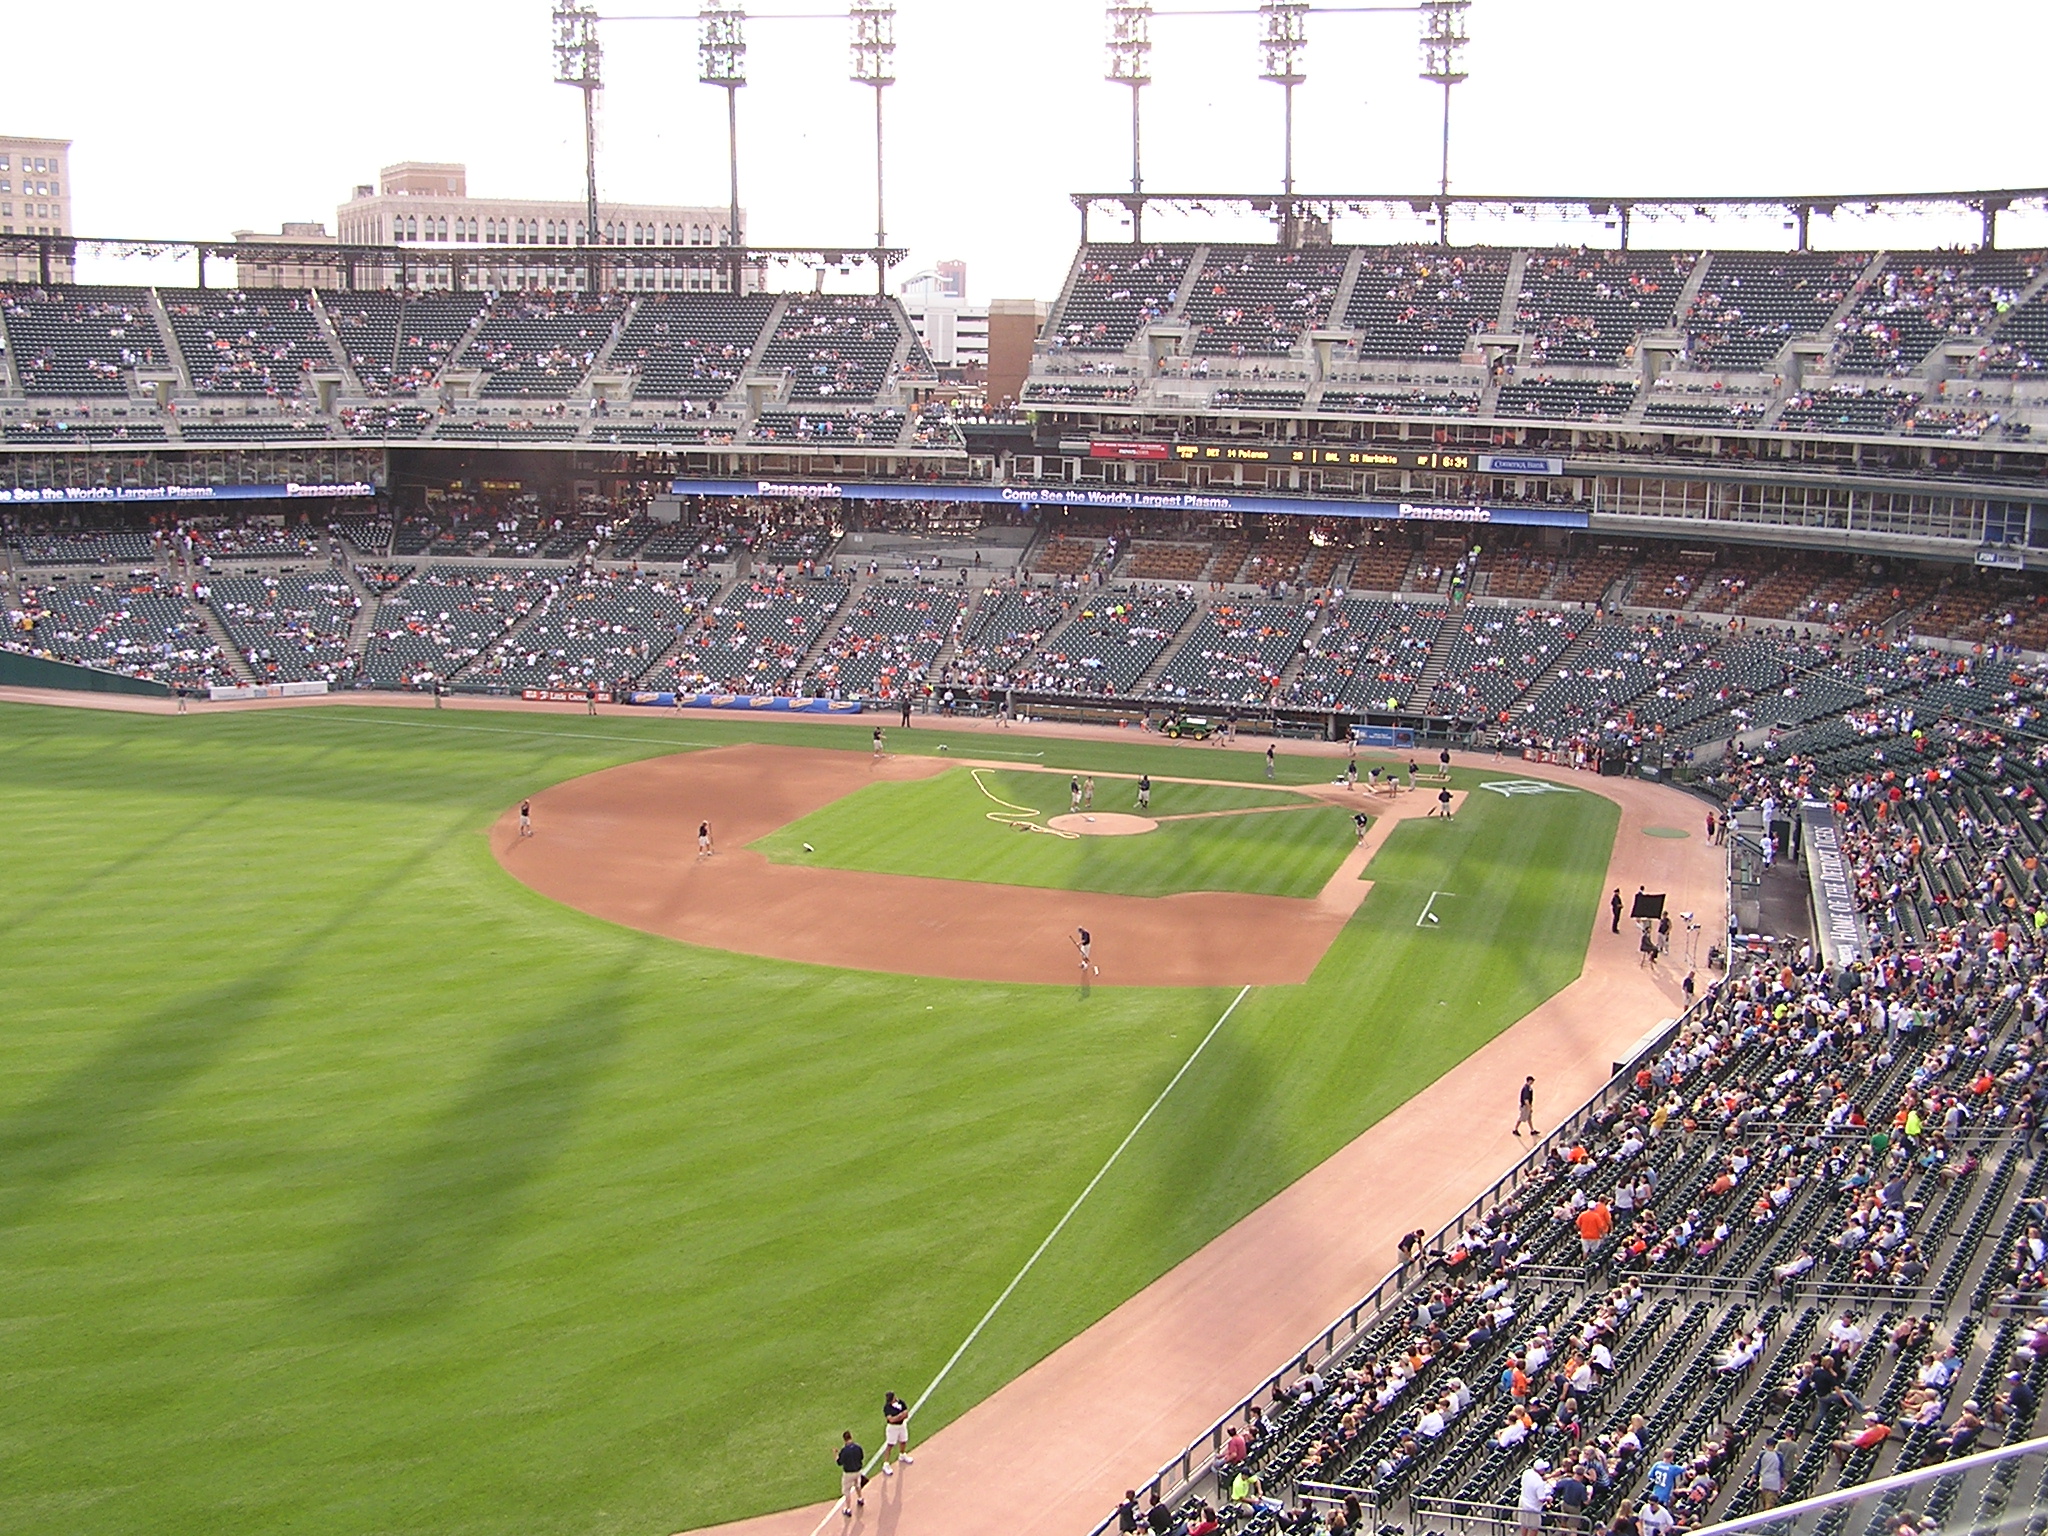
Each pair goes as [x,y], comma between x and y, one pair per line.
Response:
[35,199]
[292,268]
[428,205]
[954,334]
[1013,326]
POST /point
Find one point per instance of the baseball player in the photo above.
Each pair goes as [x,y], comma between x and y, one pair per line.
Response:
[526,818]
[703,839]
[1086,944]
[1144,791]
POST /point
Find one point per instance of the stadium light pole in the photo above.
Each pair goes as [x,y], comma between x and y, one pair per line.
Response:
[1130,57]
[1443,39]
[874,65]
[1281,45]
[579,61]
[722,60]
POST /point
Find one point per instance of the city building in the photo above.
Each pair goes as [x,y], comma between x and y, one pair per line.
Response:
[948,280]
[1013,327]
[292,269]
[955,334]
[427,205]
[35,199]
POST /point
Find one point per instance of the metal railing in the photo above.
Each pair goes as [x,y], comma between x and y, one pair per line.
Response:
[1199,1458]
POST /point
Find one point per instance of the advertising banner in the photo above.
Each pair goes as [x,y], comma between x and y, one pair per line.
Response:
[1396,736]
[1134,500]
[563,695]
[759,704]
[1838,924]
[76,494]
[268,691]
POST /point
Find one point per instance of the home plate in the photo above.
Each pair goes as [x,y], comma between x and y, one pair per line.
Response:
[1104,824]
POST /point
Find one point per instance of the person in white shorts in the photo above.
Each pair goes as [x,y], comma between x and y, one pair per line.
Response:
[703,839]
[895,1433]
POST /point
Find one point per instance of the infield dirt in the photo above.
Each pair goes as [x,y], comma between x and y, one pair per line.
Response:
[622,845]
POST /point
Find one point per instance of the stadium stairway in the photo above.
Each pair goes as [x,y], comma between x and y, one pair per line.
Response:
[1507,323]
[171,349]
[755,370]
[1432,674]
[2033,291]
[1340,304]
[461,348]
[217,632]
[1567,660]
[325,321]
[1171,649]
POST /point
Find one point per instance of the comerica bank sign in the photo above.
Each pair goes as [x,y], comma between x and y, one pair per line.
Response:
[1133,500]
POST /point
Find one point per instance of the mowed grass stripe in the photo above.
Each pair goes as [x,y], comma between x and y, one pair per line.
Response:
[939,828]
[347,1185]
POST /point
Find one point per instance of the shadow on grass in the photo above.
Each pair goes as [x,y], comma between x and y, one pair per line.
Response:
[83,1119]
[449,1203]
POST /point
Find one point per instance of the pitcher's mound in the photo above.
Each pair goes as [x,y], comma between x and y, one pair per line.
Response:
[1103,824]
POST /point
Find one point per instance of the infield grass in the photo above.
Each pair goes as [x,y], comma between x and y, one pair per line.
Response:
[347,1185]
[943,828]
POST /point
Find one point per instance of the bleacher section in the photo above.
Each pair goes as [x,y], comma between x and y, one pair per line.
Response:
[1751,303]
[540,345]
[1005,634]
[1495,656]
[1368,655]
[888,639]
[138,625]
[263,342]
[441,620]
[690,346]
[754,639]
[1113,639]
[291,628]
[1811,1206]
[1115,293]
[1256,300]
[1423,302]
[1920,301]
[1589,306]
[1236,654]
[600,630]
[80,341]
[834,347]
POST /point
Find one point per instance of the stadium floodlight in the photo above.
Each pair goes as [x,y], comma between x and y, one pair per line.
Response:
[1130,60]
[722,61]
[1283,40]
[1443,40]
[579,61]
[874,65]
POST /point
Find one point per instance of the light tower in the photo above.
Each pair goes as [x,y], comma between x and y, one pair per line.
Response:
[1130,59]
[1281,45]
[1443,39]
[722,61]
[874,64]
[579,61]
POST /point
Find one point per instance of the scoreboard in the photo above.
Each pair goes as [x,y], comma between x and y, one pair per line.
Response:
[1456,460]
[1464,461]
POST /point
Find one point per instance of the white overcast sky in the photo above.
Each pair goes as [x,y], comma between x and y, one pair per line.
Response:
[203,118]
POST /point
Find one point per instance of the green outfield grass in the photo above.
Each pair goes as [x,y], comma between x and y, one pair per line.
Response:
[940,827]
[347,1185]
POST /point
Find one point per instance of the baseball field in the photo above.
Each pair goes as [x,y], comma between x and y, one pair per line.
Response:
[350,1183]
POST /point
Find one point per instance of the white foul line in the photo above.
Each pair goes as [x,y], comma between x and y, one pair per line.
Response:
[1017,1279]
[1061,1225]
[1430,903]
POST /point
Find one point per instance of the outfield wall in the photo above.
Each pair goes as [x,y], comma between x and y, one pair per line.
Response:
[20,671]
